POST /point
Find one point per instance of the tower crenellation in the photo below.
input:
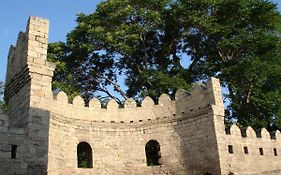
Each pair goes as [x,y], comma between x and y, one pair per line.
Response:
[29,75]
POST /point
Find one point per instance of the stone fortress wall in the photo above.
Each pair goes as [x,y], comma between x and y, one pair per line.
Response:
[8,137]
[118,136]
[246,151]
[46,128]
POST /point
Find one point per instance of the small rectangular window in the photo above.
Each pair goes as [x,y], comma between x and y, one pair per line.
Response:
[14,151]
[275,151]
[230,149]
[261,151]
[246,151]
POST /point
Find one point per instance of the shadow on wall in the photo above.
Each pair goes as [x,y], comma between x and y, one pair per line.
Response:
[24,150]
[196,131]
[36,142]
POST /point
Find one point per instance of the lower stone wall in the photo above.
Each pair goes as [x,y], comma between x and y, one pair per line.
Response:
[116,149]
[246,152]
[9,137]
[277,172]
[30,145]
[119,149]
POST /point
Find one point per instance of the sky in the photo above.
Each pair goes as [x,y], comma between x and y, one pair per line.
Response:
[61,14]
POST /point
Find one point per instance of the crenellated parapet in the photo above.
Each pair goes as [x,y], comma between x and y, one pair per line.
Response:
[249,150]
[186,104]
[250,133]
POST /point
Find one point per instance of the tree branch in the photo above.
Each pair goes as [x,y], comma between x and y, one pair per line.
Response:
[249,92]
[104,89]
[115,85]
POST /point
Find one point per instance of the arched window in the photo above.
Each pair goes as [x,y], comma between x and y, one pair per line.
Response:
[84,155]
[152,151]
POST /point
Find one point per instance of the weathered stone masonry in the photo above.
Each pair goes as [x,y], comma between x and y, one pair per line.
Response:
[41,132]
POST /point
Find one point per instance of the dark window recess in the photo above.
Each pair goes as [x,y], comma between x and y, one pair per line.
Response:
[84,155]
[230,149]
[261,151]
[275,152]
[152,151]
[14,151]
[227,131]
[246,151]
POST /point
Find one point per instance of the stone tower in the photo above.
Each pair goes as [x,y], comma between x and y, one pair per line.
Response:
[28,81]
[29,75]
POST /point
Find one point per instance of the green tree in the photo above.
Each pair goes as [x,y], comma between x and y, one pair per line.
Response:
[240,44]
[123,38]
[3,105]
[145,41]
[1,88]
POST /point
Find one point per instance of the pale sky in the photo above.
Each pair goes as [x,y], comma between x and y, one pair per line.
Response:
[61,13]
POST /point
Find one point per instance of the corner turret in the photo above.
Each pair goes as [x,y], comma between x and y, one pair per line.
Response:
[29,75]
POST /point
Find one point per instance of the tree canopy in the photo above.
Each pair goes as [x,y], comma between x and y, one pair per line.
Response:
[3,105]
[146,42]
[1,88]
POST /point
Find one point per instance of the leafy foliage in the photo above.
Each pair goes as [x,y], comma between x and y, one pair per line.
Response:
[84,155]
[1,88]
[243,51]
[3,104]
[123,38]
[82,160]
[145,42]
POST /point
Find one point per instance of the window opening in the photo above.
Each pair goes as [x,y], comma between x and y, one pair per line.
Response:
[230,149]
[84,155]
[152,150]
[275,151]
[246,151]
[261,151]
[14,151]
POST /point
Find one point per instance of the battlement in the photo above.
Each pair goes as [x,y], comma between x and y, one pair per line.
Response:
[201,97]
[249,150]
[250,133]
